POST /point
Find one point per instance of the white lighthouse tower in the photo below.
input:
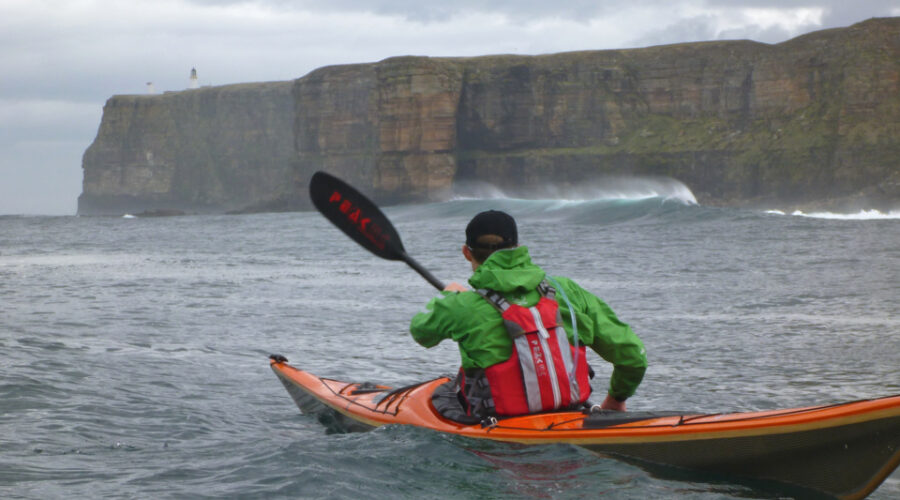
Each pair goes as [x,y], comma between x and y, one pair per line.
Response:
[192,83]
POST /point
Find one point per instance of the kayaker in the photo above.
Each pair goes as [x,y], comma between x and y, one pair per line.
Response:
[491,377]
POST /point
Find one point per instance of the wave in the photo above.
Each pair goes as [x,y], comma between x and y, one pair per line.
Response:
[861,215]
[611,201]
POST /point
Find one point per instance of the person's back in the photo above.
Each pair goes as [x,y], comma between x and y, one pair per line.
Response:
[492,365]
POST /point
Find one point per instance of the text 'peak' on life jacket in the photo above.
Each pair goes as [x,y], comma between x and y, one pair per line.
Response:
[543,373]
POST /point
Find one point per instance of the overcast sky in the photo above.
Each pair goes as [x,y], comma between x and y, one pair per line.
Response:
[60,60]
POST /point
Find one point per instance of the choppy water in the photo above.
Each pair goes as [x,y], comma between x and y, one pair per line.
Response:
[134,350]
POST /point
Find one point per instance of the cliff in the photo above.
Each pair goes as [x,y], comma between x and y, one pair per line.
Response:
[815,120]
[213,149]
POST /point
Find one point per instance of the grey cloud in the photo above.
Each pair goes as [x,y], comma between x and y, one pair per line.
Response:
[417,10]
[847,13]
[693,29]
[703,28]
[772,34]
[46,120]
[838,12]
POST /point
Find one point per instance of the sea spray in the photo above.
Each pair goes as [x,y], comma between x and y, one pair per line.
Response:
[610,188]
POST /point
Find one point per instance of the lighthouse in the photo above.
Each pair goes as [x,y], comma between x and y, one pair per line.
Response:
[192,83]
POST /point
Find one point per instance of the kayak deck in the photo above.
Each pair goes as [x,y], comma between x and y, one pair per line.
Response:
[843,450]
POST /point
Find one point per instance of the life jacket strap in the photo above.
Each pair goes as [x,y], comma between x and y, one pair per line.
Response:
[546,290]
[495,299]
[501,304]
[475,393]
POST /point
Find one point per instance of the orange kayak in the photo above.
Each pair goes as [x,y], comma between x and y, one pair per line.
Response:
[843,451]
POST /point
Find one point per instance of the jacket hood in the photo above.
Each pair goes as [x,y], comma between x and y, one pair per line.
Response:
[508,270]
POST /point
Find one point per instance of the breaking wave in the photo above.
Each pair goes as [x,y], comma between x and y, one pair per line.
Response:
[609,201]
[633,188]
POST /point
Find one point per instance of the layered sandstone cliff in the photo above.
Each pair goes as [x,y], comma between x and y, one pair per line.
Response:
[812,120]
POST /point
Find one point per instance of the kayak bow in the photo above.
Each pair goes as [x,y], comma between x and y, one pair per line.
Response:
[845,450]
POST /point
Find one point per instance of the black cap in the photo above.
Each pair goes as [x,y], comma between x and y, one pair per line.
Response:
[492,222]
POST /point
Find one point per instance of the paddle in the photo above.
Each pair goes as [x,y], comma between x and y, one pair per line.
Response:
[361,220]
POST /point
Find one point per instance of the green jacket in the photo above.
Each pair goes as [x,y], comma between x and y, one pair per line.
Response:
[477,327]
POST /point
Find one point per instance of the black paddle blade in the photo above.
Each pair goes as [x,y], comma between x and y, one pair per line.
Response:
[355,215]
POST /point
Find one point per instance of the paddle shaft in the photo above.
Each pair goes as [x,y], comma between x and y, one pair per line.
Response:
[411,262]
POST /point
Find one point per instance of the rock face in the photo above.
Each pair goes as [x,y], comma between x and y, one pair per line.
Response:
[213,149]
[812,120]
[390,127]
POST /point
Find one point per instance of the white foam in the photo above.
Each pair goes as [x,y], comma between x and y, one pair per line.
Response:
[861,215]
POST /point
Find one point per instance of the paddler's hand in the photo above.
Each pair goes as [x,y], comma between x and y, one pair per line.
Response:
[610,403]
[455,287]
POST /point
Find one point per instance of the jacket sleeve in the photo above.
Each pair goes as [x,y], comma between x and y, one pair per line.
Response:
[428,328]
[609,337]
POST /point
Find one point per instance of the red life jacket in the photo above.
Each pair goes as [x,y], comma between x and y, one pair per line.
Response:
[543,373]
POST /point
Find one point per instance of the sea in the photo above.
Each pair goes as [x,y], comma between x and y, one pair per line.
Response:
[134,349]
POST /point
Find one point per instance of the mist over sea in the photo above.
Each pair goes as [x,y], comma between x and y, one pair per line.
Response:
[134,350]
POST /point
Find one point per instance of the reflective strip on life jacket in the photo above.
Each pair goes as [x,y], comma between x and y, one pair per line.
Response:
[543,335]
[564,347]
[568,361]
[529,372]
